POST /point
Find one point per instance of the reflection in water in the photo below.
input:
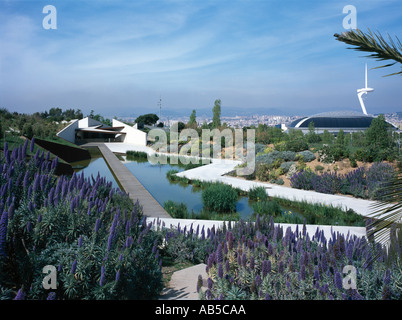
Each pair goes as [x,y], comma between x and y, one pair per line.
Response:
[94,166]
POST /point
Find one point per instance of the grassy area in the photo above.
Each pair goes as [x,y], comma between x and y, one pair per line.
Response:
[320,214]
[15,141]
[56,139]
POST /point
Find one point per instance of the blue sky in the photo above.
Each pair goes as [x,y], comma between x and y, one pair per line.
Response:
[118,57]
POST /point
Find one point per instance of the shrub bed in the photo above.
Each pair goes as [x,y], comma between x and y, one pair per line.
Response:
[93,234]
[361,182]
[265,261]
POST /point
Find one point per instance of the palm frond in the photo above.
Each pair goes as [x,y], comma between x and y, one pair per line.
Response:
[374,43]
[386,218]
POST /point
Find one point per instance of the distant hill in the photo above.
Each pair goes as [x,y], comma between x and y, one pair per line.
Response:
[226,112]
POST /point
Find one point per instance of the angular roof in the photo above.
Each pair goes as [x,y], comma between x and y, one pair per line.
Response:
[338,119]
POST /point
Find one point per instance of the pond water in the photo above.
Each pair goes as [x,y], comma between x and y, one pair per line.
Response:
[94,166]
[153,178]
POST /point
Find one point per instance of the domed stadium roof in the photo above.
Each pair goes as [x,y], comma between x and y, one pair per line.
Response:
[339,120]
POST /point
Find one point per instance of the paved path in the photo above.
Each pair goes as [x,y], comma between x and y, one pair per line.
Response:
[183,284]
[131,185]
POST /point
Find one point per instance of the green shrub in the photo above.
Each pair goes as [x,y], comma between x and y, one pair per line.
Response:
[136,154]
[268,158]
[286,166]
[329,154]
[259,148]
[258,194]
[268,207]
[176,210]
[276,173]
[288,155]
[278,181]
[262,171]
[319,168]
[219,197]
[353,162]
[307,155]
[297,145]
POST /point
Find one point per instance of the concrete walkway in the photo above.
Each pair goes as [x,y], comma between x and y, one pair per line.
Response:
[183,284]
[131,185]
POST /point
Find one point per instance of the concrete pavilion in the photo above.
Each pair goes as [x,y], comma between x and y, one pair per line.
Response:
[90,130]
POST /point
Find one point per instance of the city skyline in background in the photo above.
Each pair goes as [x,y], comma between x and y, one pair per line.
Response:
[118,58]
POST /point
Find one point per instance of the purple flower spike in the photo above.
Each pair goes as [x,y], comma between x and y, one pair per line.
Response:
[51,296]
[3,233]
[219,254]
[244,260]
[316,274]
[338,280]
[31,147]
[220,270]
[80,242]
[29,226]
[302,273]
[102,278]
[280,267]
[227,266]
[210,283]
[20,295]
[97,225]
[74,266]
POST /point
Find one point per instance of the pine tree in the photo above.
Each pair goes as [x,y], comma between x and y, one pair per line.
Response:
[216,119]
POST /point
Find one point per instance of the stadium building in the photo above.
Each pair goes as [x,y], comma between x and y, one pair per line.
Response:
[348,121]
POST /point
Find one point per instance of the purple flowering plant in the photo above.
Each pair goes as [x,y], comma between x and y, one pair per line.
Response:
[82,225]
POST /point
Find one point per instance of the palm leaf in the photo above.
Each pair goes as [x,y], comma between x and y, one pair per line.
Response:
[374,43]
[386,219]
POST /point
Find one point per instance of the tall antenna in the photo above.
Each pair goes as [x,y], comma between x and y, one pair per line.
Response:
[366,76]
[160,107]
[365,90]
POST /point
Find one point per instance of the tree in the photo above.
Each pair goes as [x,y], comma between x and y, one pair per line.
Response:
[340,138]
[377,135]
[216,118]
[27,130]
[192,120]
[327,137]
[312,136]
[147,119]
